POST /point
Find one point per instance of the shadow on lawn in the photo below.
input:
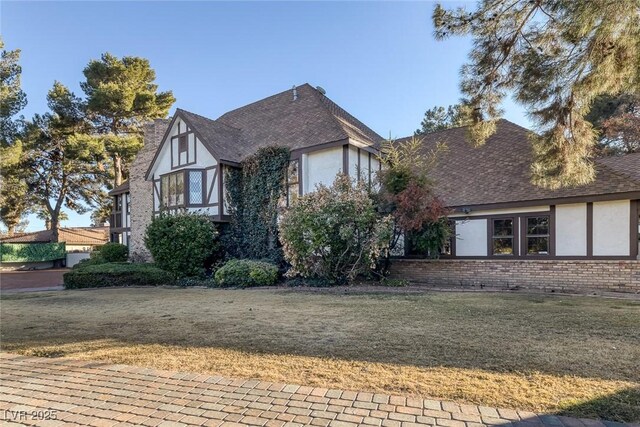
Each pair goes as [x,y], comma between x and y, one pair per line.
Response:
[623,406]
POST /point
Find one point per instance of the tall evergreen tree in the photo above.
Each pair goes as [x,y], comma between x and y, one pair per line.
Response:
[64,165]
[121,96]
[13,205]
[440,118]
[556,56]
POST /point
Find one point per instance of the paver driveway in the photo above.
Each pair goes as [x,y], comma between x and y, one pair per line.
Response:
[69,392]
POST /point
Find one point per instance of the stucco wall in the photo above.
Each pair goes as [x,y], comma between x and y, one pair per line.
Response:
[320,167]
[141,190]
[571,229]
[611,228]
[581,276]
[471,239]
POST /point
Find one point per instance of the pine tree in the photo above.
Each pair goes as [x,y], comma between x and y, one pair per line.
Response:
[439,118]
[121,96]
[556,57]
[13,205]
[64,165]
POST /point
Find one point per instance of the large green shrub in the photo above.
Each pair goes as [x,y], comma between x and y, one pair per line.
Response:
[114,252]
[117,274]
[182,243]
[334,233]
[246,272]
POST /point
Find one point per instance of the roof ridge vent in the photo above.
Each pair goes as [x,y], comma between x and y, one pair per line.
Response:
[295,93]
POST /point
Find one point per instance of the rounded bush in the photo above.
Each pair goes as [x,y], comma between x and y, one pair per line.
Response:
[182,243]
[114,252]
[246,272]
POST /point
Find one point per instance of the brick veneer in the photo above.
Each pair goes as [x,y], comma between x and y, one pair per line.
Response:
[583,276]
[141,190]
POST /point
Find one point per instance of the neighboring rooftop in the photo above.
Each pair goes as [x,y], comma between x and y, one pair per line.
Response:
[70,235]
[499,171]
[305,120]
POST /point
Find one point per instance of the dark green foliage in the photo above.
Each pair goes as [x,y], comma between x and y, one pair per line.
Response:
[254,192]
[439,118]
[429,240]
[246,272]
[63,166]
[32,252]
[121,96]
[114,252]
[95,259]
[13,203]
[182,243]
[117,274]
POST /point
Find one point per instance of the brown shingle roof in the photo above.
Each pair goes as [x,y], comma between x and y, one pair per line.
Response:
[122,188]
[499,171]
[71,236]
[311,119]
[221,139]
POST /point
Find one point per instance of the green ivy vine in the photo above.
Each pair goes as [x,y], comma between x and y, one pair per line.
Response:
[253,192]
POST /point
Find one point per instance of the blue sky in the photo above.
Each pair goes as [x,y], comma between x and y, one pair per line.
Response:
[378,60]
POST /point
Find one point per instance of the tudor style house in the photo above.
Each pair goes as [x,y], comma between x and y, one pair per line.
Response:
[183,162]
[498,214]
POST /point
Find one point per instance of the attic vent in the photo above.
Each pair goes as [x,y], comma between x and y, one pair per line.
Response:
[322,91]
[295,93]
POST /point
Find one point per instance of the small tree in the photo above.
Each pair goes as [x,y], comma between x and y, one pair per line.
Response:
[182,243]
[334,233]
[407,193]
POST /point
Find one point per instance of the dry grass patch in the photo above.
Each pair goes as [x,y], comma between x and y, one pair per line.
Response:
[554,354]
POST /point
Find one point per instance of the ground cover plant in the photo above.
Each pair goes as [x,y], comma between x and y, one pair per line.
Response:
[571,355]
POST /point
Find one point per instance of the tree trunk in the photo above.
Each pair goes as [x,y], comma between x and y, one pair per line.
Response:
[55,226]
[117,170]
[11,230]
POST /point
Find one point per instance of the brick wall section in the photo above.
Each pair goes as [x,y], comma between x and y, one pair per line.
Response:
[141,190]
[581,276]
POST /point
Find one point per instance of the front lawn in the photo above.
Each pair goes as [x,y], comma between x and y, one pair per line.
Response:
[572,355]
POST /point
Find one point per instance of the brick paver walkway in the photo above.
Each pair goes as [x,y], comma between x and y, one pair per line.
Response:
[101,394]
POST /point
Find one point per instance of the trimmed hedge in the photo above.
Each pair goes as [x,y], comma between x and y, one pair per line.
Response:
[117,274]
[246,272]
[114,252]
[95,259]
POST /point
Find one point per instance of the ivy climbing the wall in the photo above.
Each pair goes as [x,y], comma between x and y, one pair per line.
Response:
[254,192]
